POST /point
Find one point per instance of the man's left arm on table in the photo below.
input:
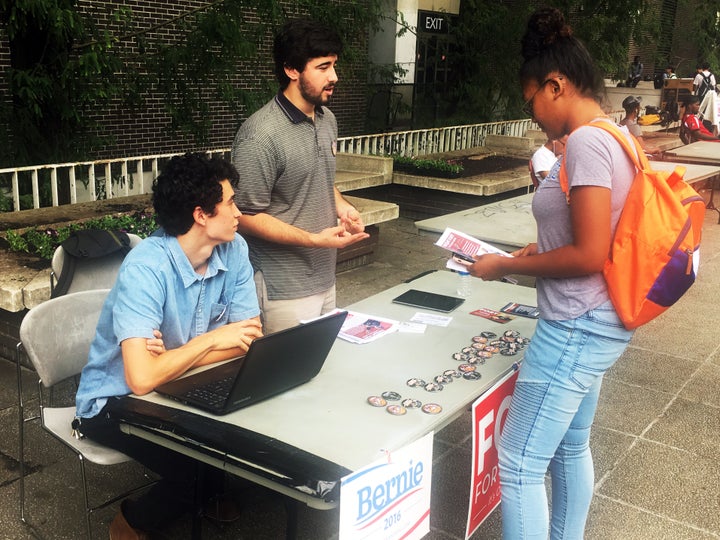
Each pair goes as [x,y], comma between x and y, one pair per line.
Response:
[148,364]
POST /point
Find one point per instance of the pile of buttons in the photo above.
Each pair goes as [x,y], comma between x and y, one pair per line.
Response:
[484,346]
[487,345]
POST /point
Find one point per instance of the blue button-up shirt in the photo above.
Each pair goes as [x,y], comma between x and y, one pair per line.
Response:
[157,288]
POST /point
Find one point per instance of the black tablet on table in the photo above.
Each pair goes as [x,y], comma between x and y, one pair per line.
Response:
[428,300]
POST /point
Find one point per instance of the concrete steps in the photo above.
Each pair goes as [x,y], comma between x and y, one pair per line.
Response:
[356,172]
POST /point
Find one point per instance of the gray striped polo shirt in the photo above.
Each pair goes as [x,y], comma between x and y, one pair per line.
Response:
[286,164]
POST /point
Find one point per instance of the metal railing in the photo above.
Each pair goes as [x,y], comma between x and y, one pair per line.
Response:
[88,180]
[432,141]
[121,177]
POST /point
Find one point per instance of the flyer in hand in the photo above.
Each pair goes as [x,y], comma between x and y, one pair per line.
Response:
[523,310]
[464,244]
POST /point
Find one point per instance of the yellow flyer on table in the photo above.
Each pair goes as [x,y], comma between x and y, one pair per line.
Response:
[390,498]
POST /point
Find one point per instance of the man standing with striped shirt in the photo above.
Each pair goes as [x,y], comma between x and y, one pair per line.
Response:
[294,219]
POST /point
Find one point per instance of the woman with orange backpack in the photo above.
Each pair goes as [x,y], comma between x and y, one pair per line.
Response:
[579,335]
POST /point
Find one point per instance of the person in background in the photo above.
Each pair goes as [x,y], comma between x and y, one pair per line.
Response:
[703,81]
[692,128]
[294,218]
[544,158]
[629,123]
[579,335]
[669,73]
[183,298]
[708,112]
[635,74]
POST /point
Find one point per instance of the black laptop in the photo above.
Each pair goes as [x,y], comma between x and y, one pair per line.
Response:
[273,364]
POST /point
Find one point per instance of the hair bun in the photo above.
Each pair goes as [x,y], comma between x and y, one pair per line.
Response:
[545,27]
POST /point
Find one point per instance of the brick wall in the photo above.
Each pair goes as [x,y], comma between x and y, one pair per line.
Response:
[148,129]
[684,52]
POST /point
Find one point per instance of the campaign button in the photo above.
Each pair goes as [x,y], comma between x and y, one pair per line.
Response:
[411,403]
[431,408]
[397,410]
[376,401]
[433,387]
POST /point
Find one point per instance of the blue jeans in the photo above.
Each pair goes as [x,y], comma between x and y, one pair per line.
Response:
[548,424]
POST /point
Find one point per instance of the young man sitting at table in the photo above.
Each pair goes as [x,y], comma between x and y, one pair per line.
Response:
[183,298]
[692,128]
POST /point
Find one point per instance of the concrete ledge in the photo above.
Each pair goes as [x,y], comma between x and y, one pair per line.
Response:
[356,171]
[523,146]
[616,94]
[350,180]
[537,135]
[374,212]
[482,185]
[37,290]
[11,294]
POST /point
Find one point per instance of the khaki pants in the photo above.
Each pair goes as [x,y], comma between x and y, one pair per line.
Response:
[277,315]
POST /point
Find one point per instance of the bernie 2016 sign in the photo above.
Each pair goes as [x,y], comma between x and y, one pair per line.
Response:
[389,499]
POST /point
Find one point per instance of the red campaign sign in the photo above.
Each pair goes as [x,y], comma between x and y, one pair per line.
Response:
[489,412]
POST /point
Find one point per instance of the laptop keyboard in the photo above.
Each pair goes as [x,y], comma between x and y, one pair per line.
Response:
[212,393]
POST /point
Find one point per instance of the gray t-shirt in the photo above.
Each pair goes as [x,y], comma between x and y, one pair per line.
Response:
[286,164]
[594,158]
[634,128]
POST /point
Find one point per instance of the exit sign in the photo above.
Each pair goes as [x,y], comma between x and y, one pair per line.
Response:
[433,23]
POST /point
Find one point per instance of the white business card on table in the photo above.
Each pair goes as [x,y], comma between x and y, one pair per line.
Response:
[431,319]
[412,327]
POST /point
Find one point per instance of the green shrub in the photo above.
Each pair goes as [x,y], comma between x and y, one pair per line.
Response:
[43,242]
[427,167]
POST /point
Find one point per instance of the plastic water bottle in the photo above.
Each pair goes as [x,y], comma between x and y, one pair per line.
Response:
[464,285]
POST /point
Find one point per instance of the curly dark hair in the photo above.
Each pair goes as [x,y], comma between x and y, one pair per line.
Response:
[185,183]
[300,40]
[549,46]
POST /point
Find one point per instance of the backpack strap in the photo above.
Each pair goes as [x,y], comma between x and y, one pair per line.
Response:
[66,274]
[636,154]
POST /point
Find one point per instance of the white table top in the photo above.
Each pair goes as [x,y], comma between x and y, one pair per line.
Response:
[330,417]
[507,224]
[707,152]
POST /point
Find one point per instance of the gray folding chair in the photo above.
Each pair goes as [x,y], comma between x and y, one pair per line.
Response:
[55,336]
[99,273]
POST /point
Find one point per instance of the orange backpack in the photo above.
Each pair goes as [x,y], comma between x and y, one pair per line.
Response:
[654,255]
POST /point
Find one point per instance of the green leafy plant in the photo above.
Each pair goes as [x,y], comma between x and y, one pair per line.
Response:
[445,168]
[70,61]
[43,242]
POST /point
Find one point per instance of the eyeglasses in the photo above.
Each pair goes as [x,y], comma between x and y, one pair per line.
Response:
[527,108]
